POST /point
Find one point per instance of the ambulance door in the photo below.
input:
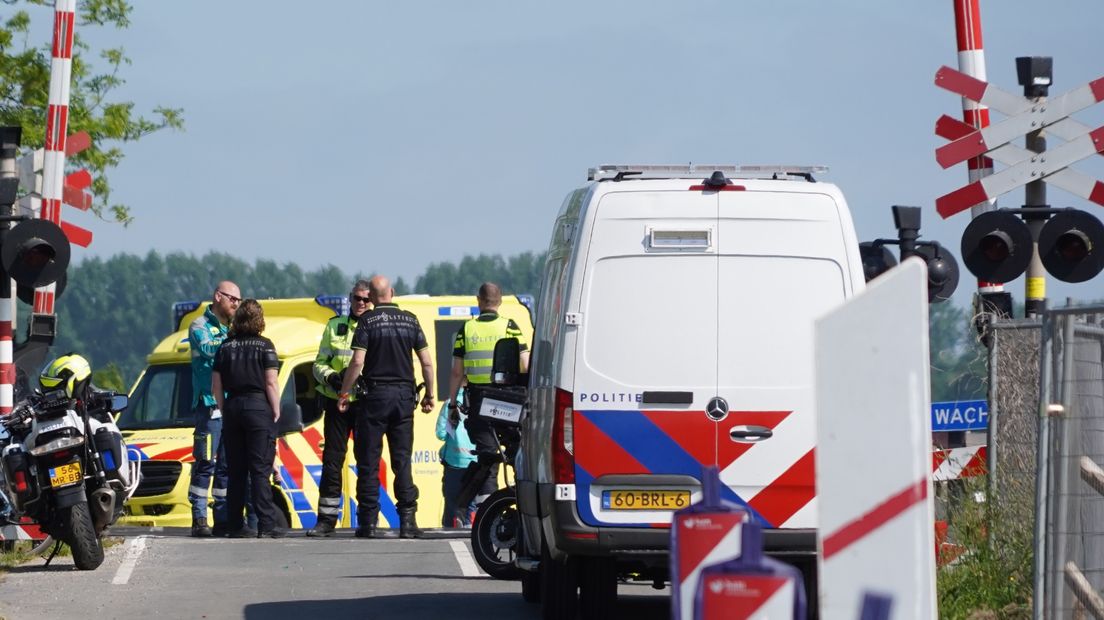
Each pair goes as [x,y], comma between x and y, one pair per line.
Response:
[778,271]
[646,365]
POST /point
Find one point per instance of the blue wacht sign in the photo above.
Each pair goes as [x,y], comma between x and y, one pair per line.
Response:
[961,415]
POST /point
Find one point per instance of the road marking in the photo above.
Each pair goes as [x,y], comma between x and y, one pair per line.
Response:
[133,551]
[464,558]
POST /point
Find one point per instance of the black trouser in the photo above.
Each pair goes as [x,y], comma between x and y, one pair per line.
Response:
[335,427]
[249,433]
[481,434]
[385,410]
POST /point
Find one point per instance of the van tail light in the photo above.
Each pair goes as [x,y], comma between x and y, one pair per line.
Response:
[563,439]
[19,481]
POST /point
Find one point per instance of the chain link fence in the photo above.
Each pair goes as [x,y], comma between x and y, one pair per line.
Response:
[1072,453]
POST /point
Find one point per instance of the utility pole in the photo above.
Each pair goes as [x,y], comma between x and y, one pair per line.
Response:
[1035,74]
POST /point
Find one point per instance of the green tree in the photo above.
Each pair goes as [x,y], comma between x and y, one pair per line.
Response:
[25,83]
[958,360]
[520,273]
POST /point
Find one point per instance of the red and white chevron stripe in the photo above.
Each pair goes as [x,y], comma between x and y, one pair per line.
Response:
[57,121]
[958,463]
[21,532]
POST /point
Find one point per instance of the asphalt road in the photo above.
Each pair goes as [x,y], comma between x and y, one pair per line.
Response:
[296,578]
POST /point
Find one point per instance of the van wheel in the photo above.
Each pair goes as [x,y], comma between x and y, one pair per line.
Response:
[597,588]
[559,587]
[531,586]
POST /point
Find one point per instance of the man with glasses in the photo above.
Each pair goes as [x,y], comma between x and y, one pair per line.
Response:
[205,334]
[334,354]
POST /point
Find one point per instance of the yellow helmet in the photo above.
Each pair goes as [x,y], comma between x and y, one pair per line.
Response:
[69,372]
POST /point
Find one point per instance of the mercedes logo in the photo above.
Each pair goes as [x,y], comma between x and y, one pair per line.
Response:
[717,409]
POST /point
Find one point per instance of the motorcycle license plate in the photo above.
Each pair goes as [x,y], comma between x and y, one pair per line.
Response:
[645,500]
[65,475]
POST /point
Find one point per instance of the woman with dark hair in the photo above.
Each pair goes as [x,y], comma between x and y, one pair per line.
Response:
[244,384]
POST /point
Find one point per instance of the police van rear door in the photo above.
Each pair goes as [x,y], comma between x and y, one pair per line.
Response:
[780,265]
[646,364]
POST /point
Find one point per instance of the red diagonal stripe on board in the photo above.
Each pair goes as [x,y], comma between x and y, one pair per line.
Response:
[290,462]
[596,453]
[697,542]
[81,179]
[881,514]
[727,450]
[76,234]
[788,493]
[76,143]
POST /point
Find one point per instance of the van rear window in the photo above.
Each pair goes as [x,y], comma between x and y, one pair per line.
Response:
[699,319]
[652,320]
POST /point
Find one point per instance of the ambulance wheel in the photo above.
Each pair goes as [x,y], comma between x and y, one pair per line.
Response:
[597,588]
[559,587]
[531,586]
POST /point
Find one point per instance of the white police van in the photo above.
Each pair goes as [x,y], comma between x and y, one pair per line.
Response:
[674,332]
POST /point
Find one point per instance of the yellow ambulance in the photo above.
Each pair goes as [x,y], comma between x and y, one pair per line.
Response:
[158,422]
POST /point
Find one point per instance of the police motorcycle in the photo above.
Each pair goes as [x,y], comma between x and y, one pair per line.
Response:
[495,532]
[64,461]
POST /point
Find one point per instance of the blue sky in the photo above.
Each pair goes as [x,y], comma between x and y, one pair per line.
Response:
[386,136]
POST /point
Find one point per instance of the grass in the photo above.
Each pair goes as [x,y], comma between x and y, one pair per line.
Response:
[992,579]
[21,553]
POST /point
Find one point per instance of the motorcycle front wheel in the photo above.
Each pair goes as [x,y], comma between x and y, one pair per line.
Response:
[495,534]
[80,535]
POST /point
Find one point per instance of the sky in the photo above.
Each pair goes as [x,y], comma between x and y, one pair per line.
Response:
[383,137]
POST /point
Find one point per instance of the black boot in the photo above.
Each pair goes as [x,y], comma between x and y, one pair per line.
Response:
[322,529]
[200,529]
[367,527]
[408,525]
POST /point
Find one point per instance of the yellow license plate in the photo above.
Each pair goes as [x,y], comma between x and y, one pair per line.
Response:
[645,500]
[64,475]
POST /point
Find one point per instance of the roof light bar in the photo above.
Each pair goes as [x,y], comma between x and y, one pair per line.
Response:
[696,171]
[338,303]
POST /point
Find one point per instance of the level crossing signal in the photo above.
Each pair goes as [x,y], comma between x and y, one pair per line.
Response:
[942,267]
[33,253]
[997,246]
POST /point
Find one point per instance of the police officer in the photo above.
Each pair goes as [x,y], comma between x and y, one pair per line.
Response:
[205,335]
[382,370]
[472,358]
[334,354]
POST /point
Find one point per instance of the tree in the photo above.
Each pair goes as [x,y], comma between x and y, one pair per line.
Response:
[24,91]
[520,273]
[958,360]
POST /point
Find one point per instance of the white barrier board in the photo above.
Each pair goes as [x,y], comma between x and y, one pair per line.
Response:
[873,458]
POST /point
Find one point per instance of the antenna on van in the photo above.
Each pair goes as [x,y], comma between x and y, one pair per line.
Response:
[717,179]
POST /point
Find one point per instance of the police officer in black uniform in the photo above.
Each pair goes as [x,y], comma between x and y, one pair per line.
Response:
[382,372]
[243,382]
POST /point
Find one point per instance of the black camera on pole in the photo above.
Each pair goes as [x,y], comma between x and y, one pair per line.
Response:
[997,246]
[942,266]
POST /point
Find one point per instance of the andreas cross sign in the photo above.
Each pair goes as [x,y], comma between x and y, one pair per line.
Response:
[1024,116]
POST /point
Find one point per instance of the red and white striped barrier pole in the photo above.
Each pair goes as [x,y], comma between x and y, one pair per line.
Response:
[971,61]
[7,305]
[57,121]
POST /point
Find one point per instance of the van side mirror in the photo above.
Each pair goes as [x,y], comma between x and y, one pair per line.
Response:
[291,418]
[506,367]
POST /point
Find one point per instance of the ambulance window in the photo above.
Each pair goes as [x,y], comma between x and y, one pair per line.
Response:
[163,399]
[446,336]
[300,389]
